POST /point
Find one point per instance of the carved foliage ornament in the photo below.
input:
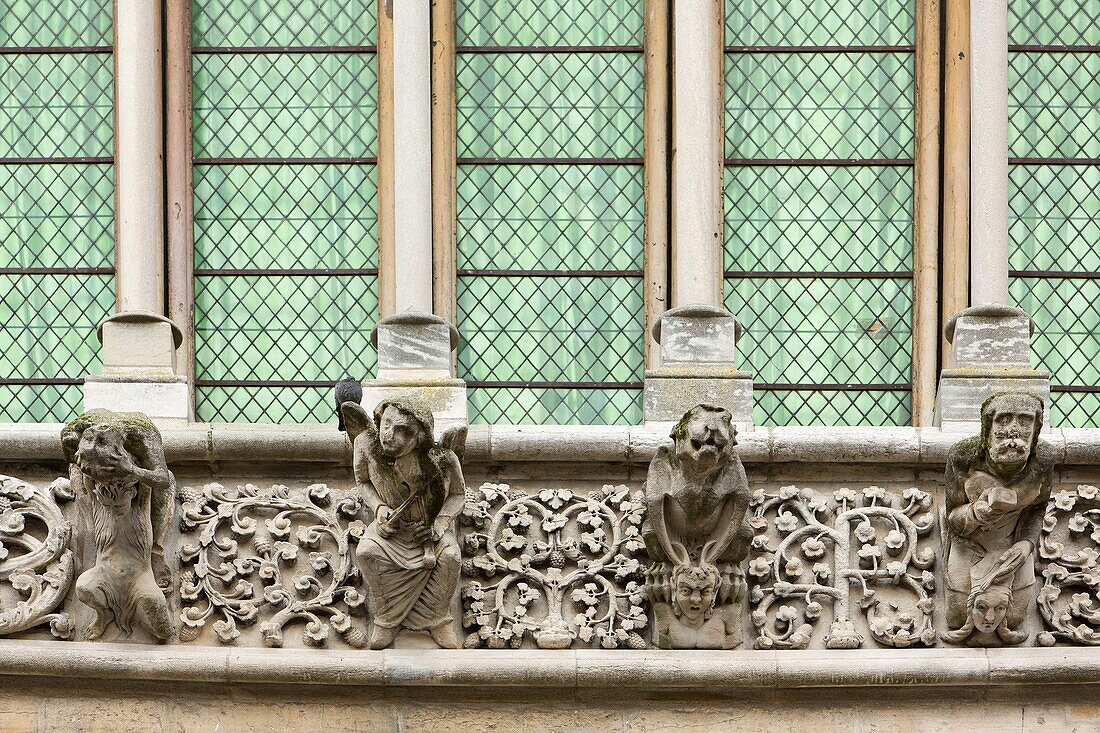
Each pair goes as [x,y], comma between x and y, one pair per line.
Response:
[812,550]
[1069,549]
[37,569]
[556,565]
[274,555]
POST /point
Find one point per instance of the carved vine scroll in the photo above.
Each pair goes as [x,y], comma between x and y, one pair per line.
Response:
[38,569]
[813,549]
[275,556]
[1069,551]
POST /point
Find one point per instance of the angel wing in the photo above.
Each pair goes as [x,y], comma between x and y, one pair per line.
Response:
[454,438]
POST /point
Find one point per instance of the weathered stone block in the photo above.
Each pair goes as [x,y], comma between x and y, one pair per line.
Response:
[161,398]
[992,341]
[446,398]
[698,335]
[962,392]
[668,397]
[139,344]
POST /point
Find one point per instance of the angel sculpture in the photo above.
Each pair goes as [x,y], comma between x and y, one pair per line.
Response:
[414,489]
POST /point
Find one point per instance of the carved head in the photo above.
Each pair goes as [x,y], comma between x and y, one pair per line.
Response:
[704,437]
[100,450]
[1010,429]
[694,588]
[989,607]
[403,427]
[116,497]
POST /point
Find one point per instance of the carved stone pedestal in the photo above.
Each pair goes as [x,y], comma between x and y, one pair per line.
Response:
[414,360]
[698,350]
[139,368]
[991,349]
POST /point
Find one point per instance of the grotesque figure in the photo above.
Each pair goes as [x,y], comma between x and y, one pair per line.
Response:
[414,488]
[997,486]
[695,532]
[128,493]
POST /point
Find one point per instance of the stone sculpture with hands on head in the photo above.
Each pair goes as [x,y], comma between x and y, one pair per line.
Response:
[998,484]
[695,532]
[414,487]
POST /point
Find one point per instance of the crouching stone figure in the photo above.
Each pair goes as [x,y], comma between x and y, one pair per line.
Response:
[414,488]
[128,494]
[998,484]
[695,532]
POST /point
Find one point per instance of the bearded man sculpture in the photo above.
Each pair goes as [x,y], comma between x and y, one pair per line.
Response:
[696,534]
[998,484]
[414,489]
[128,493]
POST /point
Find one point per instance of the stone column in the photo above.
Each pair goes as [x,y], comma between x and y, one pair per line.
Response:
[990,340]
[139,342]
[414,345]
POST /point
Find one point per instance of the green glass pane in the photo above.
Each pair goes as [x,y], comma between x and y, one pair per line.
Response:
[553,23]
[1067,326]
[833,105]
[283,22]
[56,105]
[286,217]
[48,324]
[820,22]
[1054,217]
[832,407]
[819,219]
[551,217]
[550,105]
[540,406]
[57,215]
[1054,105]
[285,105]
[1055,22]
[560,329]
[1074,409]
[53,23]
[821,331]
[263,328]
[40,402]
[263,404]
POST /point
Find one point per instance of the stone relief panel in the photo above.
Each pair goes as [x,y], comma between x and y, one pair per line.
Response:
[36,562]
[1069,547]
[868,552]
[269,559]
[554,566]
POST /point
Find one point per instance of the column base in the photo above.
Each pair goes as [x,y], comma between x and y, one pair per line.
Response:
[963,390]
[669,395]
[446,398]
[161,398]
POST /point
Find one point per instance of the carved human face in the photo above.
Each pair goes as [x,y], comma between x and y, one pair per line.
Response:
[706,439]
[694,594]
[990,608]
[101,452]
[1014,422]
[116,497]
[398,432]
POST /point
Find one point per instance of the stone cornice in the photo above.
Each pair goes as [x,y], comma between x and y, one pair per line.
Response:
[718,671]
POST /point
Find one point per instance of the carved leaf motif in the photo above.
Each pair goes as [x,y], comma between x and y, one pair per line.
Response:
[1069,542]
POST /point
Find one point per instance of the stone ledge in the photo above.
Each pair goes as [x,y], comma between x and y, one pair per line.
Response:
[210,443]
[716,671]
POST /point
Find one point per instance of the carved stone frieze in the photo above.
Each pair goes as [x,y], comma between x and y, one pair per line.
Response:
[869,550]
[36,564]
[557,566]
[274,556]
[1069,549]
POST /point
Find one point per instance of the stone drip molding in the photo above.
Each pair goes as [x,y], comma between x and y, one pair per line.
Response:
[715,673]
[210,444]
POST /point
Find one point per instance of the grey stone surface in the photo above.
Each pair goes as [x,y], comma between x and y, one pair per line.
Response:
[667,395]
[414,346]
[697,335]
[992,342]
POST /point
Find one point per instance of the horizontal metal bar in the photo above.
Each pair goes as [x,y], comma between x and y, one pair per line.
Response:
[527,50]
[60,381]
[1055,274]
[818,162]
[475,384]
[821,49]
[57,271]
[550,161]
[801,387]
[285,161]
[549,273]
[1071,388]
[60,50]
[1051,48]
[1054,161]
[248,50]
[104,160]
[265,383]
[277,272]
[793,274]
